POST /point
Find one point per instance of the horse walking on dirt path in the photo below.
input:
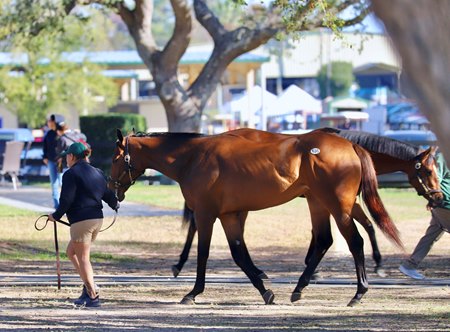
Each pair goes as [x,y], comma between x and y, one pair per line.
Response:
[388,155]
[225,176]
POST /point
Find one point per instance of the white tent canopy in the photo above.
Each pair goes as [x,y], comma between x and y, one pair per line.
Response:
[296,99]
[252,102]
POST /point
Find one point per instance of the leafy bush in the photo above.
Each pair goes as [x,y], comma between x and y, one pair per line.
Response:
[340,80]
[100,131]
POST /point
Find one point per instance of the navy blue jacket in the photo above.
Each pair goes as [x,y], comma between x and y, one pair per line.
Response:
[50,142]
[83,189]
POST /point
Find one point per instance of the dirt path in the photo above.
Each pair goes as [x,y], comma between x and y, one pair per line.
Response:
[226,308]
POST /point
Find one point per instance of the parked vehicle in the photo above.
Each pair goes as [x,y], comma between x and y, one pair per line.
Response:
[31,165]
[421,138]
[33,168]
[13,134]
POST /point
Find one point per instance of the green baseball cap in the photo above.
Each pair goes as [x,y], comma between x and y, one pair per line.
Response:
[76,149]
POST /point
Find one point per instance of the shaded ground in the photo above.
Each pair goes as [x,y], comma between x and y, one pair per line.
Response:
[226,308]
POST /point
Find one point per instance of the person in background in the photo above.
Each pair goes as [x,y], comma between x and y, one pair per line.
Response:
[65,138]
[83,189]
[440,223]
[50,156]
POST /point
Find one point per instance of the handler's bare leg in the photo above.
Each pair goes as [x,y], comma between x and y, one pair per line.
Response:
[82,257]
[70,251]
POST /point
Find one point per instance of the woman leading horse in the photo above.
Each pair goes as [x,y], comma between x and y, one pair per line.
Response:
[226,175]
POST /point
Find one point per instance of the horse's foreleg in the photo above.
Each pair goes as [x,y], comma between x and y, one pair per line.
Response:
[204,229]
[356,245]
[361,217]
[234,233]
[321,241]
[176,269]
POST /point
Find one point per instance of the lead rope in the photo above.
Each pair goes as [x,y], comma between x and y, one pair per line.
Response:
[67,224]
[55,232]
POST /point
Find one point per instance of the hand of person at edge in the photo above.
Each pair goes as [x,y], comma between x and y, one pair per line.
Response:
[50,217]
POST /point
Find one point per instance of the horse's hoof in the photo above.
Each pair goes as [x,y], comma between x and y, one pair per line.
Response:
[175,271]
[380,272]
[268,297]
[262,275]
[353,302]
[295,296]
[190,300]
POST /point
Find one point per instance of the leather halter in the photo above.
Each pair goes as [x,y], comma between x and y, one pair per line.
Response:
[427,191]
[126,171]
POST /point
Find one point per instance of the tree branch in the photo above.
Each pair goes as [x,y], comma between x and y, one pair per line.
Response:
[317,14]
[208,20]
[179,42]
[139,23]
[227,47]
[69,5]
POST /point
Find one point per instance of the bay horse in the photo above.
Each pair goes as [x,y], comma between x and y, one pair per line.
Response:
[225,176]
[388,155]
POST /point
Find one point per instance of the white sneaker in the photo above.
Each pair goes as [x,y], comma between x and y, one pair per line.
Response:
[412,273]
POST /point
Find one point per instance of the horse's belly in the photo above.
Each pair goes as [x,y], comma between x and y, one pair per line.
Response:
[260,197]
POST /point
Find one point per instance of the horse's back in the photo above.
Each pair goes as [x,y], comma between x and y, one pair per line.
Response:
[276,168]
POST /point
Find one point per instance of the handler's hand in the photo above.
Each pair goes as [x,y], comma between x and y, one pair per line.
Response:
[50,217]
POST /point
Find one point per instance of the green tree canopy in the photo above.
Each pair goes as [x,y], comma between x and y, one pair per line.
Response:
[39,78]
[335,78]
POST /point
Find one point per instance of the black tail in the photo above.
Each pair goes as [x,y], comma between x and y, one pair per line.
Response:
[188,216]
[369,186]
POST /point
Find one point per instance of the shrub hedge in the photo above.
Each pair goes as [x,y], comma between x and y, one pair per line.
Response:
[100,131]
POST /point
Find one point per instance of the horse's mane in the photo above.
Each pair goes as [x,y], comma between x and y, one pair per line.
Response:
[167,134]
[379,144]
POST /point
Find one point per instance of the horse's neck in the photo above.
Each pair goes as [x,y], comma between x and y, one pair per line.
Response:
[386,164]
[164,155]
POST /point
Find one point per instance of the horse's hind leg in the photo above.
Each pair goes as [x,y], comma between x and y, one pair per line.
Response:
[320,243]
[234,233]
[356,245]
[359,215]
[176,269]
[242,216]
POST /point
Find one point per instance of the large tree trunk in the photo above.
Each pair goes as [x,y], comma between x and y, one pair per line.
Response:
[420,32]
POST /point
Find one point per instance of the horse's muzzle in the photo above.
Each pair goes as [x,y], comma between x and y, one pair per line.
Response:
[435,199]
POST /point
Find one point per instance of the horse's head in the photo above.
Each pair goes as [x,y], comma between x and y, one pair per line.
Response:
[123,174]
[425,178]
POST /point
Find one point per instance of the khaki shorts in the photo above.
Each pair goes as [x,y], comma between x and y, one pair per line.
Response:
[85,231]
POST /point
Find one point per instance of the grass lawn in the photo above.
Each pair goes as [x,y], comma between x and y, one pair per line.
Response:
[283,226]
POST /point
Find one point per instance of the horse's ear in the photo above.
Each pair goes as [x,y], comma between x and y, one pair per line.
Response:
[427,155]
[430,151]
[134,131]
[119,137]
[433,149]
[119,134]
